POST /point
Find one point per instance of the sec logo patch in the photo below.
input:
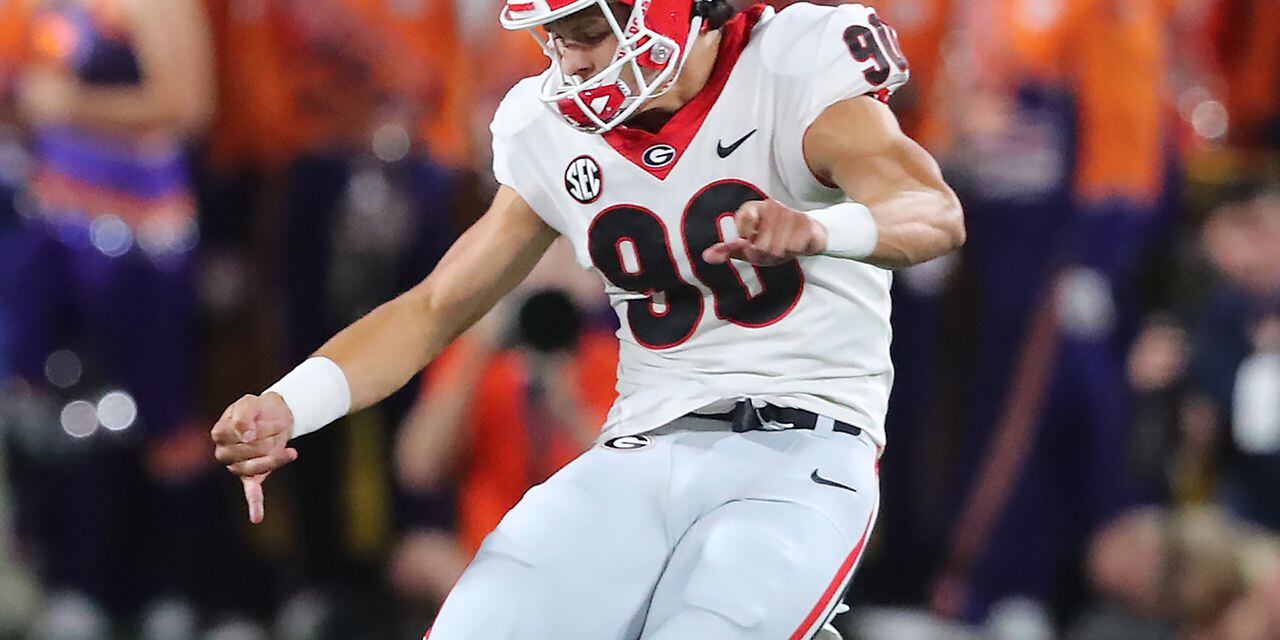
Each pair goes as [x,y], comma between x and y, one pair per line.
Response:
[583,179]
[629,443]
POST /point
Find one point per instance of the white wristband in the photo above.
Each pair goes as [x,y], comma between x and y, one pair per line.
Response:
[851,231]
[316,392]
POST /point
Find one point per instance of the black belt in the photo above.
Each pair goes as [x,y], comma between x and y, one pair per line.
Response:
[746,417]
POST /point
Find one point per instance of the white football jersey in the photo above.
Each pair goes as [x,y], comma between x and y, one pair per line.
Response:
[639,209]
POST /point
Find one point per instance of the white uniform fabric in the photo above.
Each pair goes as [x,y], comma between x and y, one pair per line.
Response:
[689,532]
[639,208]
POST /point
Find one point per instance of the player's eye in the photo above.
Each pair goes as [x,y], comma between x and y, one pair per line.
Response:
[593,38]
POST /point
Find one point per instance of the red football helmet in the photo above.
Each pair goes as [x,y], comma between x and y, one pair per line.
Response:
[655,42]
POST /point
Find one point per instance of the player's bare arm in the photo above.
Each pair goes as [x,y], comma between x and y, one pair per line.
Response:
[858,146]
[433,438]
[380,352]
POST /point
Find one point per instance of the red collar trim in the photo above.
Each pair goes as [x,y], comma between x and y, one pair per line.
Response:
[679,131]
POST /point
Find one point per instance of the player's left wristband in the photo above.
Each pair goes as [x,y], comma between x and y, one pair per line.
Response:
[851,231]
[316,392]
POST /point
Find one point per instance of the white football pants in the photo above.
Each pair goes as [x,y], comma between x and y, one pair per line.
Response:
[689,532]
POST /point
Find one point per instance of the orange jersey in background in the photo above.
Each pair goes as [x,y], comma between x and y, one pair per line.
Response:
[421,60]
[1113,56]
[923,27]
[505,457]
[506,57]
[1245,35]
[15,46]
[1122,89]
[302,76]
[260,121]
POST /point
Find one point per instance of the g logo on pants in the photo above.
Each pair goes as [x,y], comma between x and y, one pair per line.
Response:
[629,443]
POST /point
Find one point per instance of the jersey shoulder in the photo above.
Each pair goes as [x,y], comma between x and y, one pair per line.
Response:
[846,44]
[519,109]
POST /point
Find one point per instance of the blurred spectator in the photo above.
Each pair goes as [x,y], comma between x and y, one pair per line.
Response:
[1235,342]
[1165,451]
[98,289]
[1208,576]
[1065,157]
[502,410]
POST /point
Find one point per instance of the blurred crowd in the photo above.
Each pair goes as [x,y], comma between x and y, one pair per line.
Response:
[194,194]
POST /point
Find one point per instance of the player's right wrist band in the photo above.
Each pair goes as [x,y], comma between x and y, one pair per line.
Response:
[316,392]
[851,231]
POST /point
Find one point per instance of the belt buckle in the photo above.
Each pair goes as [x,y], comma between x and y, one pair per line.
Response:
[769,419]
[745,418]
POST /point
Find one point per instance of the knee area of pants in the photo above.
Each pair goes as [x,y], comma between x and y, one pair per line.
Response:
[742,573]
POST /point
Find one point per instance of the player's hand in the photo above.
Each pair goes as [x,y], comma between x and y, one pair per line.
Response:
[252,440]
[769,233]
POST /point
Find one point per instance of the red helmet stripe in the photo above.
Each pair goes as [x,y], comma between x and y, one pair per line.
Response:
[552,5]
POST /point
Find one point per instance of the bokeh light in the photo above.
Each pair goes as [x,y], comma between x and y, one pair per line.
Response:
[79,419]
[1210,120]
[391,143]
[117,411]
[111,236]
[63,368]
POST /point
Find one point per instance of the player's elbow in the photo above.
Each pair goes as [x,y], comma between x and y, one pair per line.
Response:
[951,224]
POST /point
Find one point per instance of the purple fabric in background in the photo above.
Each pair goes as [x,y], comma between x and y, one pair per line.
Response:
[129,318]
[111,166]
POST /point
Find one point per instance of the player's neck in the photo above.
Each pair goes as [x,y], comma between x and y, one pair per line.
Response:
[697,70]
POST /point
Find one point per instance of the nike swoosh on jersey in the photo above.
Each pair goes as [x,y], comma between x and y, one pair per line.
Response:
[830,483]
[724,151]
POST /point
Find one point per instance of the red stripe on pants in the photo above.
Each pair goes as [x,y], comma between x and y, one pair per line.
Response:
[833,589]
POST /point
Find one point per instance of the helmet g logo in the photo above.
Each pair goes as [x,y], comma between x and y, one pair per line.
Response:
[582,179]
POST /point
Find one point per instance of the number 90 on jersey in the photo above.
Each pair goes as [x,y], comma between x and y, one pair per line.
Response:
[631,246]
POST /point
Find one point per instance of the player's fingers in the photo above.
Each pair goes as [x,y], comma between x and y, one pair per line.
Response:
[253,497]
[767,236]
[764,234]
[264,464]
[721,252]
[243,418]
[759,258]
[224,432]
[229,454]
[747,219]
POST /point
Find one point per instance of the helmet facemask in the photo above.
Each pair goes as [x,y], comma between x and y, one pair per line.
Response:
[645,64]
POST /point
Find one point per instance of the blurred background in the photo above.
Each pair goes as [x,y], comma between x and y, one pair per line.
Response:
[194,194]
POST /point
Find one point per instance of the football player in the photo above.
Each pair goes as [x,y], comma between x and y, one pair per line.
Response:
[742,189]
